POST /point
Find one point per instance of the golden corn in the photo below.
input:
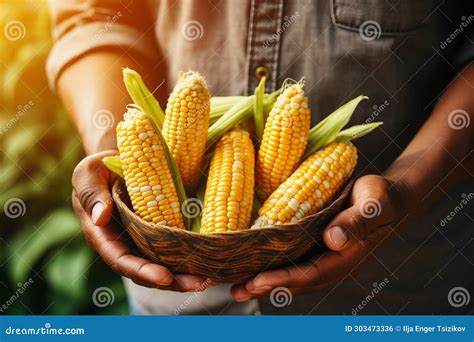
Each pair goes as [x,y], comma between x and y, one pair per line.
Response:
[312,186]
[284,140]
[230,185]
[146,172]
[186,124]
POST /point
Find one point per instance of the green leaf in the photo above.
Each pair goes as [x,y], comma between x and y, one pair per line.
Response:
[142,96]
[357,131]
[326,131]
[26,56]
[19,141]
[239,112]
[114,164]
[66,271]
[30,245]
[258,109]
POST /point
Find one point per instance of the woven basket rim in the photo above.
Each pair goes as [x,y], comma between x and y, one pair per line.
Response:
[290,225]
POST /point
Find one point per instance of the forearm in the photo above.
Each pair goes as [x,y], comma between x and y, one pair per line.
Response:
[440,155]
[93,93]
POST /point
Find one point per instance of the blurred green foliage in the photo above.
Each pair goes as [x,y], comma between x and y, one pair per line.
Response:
[41,243]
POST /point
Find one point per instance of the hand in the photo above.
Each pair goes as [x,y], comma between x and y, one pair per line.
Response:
[376,203]
[93,204]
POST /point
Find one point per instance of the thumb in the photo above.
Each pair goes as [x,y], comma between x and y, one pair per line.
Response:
[355,224]
[91,181]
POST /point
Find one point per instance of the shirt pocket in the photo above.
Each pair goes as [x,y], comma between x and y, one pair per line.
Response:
[381,17]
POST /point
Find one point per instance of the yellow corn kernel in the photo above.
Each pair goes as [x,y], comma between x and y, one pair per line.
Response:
[186,124]
[230,185]
[149,184]
[312,186]
[284,140]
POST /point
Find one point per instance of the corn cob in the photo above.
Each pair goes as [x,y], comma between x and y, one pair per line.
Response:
[284,140]
[186,124]
[228,200]
[312,186]
[146,172]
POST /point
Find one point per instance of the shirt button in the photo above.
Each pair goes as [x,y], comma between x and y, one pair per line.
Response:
[262,71]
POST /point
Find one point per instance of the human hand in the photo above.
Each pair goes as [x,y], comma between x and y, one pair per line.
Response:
[376,205]
[93,204]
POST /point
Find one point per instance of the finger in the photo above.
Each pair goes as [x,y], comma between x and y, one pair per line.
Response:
[326,268]
[110,242]
[188,283]
[371,208]
[349,226]
[91,181]
[240,292]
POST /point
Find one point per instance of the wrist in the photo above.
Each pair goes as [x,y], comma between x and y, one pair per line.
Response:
[99,141]
[403,193]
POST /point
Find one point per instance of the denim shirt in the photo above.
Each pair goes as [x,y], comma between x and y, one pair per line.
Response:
[400,53]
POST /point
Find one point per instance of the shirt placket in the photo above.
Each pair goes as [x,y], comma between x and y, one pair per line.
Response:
[263,44]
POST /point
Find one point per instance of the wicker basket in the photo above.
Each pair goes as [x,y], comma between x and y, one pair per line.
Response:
[227,257]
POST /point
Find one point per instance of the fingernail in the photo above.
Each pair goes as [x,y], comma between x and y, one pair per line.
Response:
[97,211]
[338,236]
[243,299]
[261,289]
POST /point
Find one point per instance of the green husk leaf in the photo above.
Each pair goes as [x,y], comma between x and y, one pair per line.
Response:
[142,96]
[327,130]
[235,115]
[238,113]
[357,131]
[258,109]
[220,105]
[114,164]
[269,101]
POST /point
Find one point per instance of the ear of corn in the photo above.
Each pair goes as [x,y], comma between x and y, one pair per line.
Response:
[229,193]
[146,172]
[312,186]
[186,124]
[284,139]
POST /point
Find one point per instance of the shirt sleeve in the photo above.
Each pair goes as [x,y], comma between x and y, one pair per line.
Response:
[79,27]
[465,51]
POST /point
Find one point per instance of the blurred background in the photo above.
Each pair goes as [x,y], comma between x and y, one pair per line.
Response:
[45,265]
